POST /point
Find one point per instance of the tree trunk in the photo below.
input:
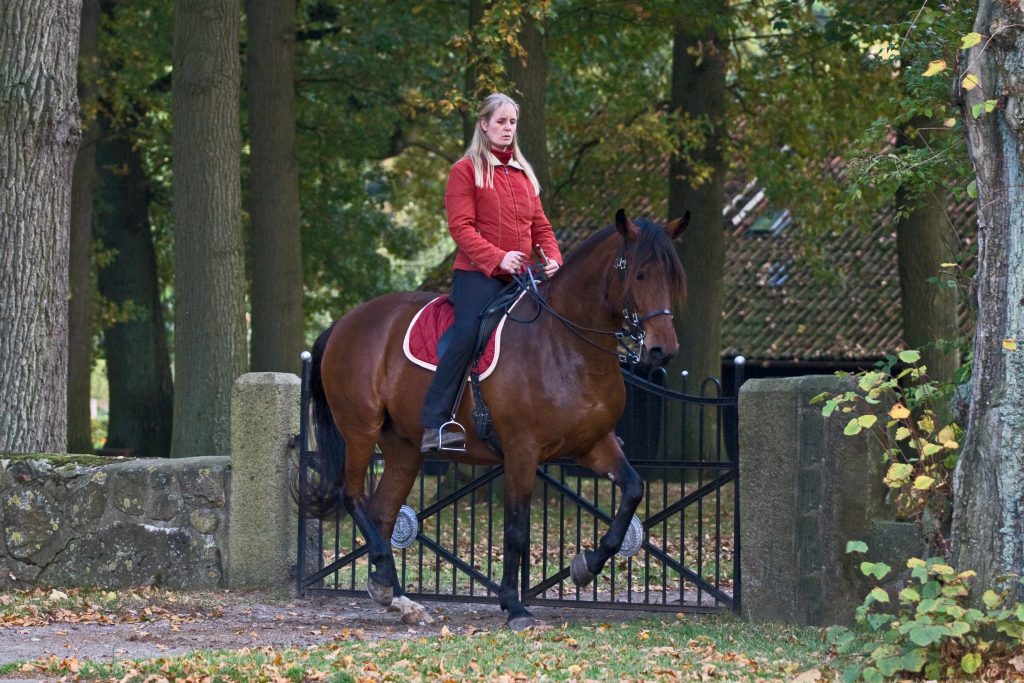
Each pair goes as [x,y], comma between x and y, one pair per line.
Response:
[209,271]
[277,324]
[925,238]
[527,75]
[988,482]
[138,362]
[698,93]
[80,262]
[39,136]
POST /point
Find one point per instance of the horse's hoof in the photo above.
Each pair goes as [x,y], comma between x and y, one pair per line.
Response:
[522,622]
[417,617]
[581,576]
[381,593]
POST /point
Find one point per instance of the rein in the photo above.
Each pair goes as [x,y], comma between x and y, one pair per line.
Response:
[633,322]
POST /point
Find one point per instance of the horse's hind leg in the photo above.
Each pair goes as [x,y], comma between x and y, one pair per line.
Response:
[607,459]
[383,582]
[401,466]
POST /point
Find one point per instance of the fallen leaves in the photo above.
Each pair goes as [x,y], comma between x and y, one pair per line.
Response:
[40,607]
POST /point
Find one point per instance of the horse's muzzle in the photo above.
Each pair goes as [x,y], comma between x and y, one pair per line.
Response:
[655,357]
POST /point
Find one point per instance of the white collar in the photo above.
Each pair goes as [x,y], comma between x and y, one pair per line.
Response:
[511,162]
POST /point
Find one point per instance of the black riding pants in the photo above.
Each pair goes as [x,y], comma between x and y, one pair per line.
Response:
[471,290]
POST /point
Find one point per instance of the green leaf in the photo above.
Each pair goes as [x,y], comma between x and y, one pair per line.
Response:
[876,569]
[990,105]
[879,595]
[915,659]
[867,421]
[871,675]
[877,621]
[970,40]
[976,109]
[869,379]
[902,433]
[887,666]
[972,189]
[852,427]
[909,595]
[1019,612]
[851,674]
[830,407]
[959,628]
[910,356]
[926,634]
[991,598]
[923,483]
[971,662]
[856,547]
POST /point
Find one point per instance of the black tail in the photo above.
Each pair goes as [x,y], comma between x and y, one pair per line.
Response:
[325,468]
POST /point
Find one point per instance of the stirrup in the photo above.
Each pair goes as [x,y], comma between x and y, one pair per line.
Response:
[450,428]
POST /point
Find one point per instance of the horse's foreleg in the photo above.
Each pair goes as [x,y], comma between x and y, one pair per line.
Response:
[607,459]
[517,526]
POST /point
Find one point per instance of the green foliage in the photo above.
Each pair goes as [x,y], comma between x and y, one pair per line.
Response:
[918,46]
[907,414]
[930,631]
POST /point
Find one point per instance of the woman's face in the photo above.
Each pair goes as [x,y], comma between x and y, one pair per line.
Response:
[501,127]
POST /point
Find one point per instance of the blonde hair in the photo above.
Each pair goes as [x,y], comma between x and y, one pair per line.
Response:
[479,150]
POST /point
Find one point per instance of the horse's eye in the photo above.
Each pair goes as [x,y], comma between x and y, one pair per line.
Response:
[640,275]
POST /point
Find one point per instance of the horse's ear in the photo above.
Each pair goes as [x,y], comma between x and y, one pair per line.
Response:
[677,227]
[627,228]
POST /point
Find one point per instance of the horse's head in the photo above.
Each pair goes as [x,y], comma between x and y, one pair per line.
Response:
[652,283]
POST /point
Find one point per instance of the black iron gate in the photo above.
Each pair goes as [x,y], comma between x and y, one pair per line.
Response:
[448,542]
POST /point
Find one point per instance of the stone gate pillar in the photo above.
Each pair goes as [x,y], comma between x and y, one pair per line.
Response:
[805,490]
[262,516]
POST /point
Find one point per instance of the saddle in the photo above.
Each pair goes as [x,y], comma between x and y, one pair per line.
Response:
[430,331]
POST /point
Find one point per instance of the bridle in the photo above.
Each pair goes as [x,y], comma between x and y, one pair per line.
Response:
[632,321]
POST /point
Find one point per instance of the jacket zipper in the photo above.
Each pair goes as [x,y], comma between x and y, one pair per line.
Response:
[515,204]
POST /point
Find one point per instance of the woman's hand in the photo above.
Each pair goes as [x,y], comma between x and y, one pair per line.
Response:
[550,267]
[513,262]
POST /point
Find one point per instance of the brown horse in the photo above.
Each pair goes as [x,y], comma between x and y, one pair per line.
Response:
[557,392]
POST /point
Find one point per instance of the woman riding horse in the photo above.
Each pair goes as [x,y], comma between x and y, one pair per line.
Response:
[495,217]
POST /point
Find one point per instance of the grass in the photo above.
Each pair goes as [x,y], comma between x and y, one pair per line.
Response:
[648,649]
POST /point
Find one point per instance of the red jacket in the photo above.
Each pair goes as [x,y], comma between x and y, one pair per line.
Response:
[487,222]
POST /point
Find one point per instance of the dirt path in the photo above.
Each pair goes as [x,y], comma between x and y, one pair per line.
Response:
[237,620]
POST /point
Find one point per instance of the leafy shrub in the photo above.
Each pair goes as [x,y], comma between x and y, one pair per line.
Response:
[932,631]
[907,413]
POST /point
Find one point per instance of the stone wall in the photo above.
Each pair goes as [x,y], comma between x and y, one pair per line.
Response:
[805,490]
[68,520]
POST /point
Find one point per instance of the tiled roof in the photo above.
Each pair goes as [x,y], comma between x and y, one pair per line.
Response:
[775,307]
